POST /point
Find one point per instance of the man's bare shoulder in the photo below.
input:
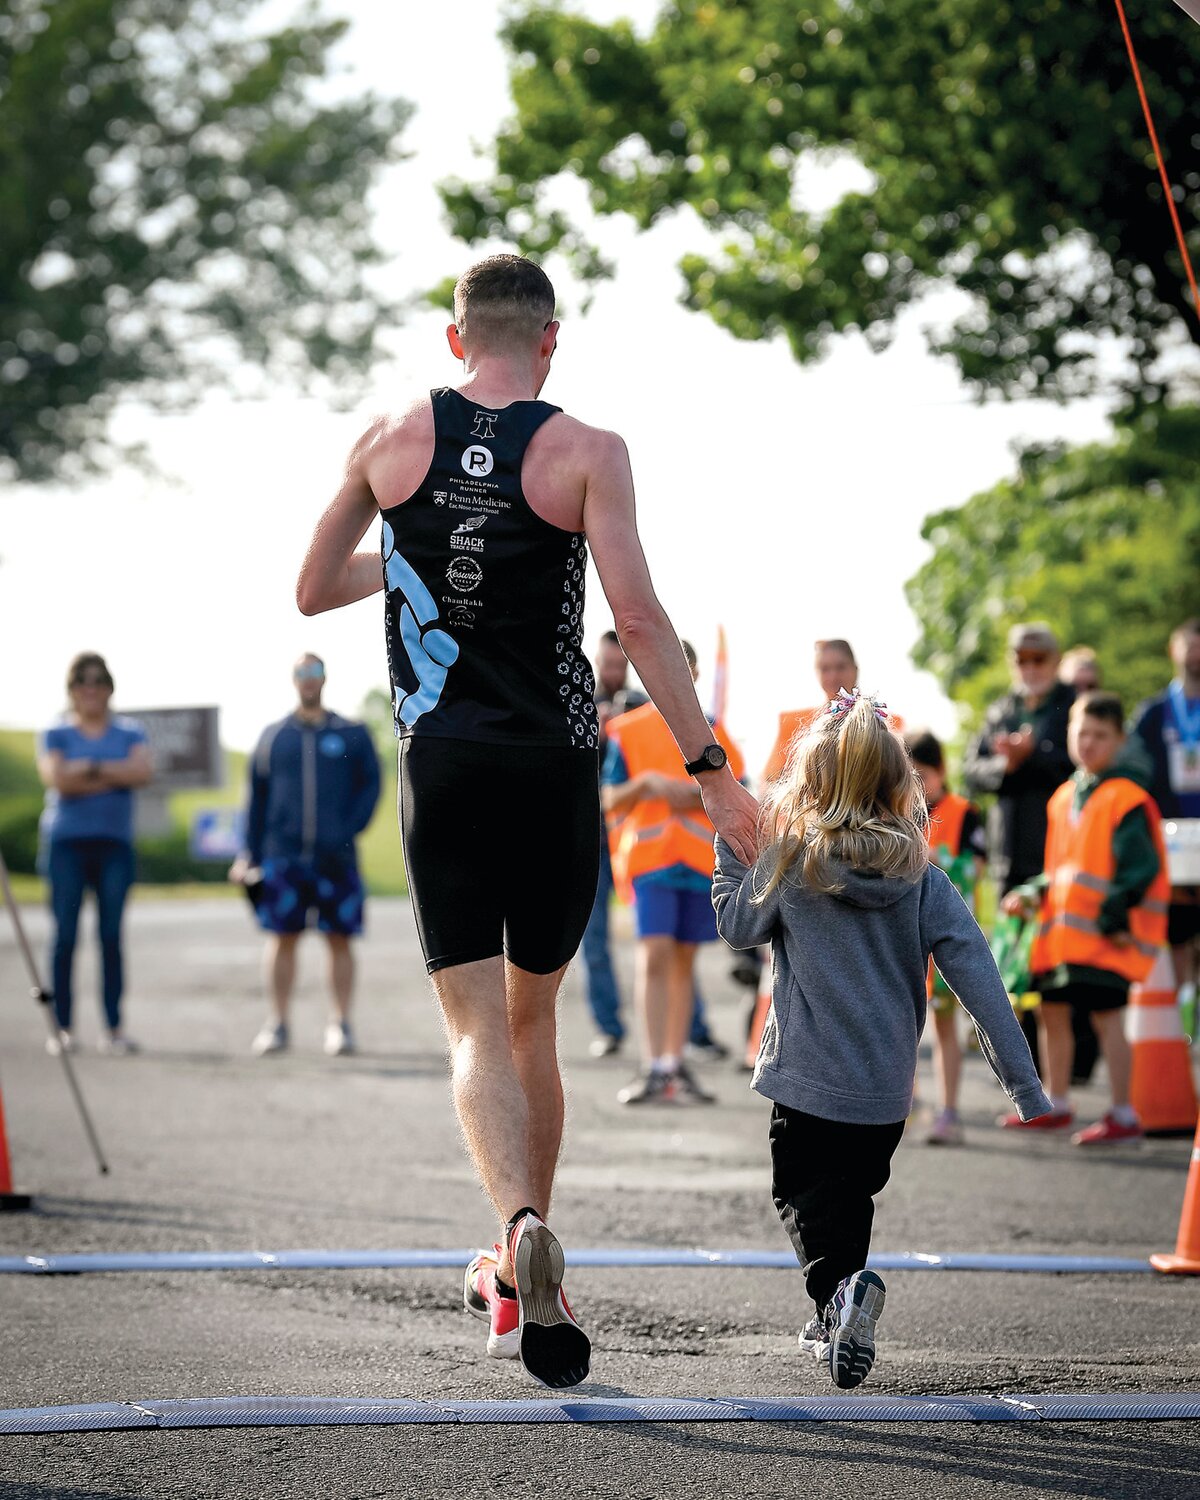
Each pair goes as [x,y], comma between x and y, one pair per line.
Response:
[389,430]
[594,447]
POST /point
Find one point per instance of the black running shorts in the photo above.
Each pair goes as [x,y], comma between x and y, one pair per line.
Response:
[501,848]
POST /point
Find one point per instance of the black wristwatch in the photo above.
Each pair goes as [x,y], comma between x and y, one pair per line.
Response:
[711,758]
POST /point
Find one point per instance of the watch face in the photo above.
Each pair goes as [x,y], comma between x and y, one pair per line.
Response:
[715,757]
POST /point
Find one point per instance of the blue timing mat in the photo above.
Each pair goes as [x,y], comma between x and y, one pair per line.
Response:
[433,1260]
[320,1411]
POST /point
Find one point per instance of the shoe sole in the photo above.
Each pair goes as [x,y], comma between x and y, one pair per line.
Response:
[553,1348]
[852,1341]
[499,1345]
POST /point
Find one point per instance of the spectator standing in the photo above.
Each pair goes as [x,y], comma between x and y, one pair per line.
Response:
[1103,914]
[90,763]
[1168,729]
[1021,755]
[314,783]
[836,669]
[600,980]
[957,844]
[662,842]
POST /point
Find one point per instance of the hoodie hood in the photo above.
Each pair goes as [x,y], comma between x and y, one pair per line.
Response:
[866,888]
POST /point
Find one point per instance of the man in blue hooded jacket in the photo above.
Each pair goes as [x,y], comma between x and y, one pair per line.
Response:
[314,783]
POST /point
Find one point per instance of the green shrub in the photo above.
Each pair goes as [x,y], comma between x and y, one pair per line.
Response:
[19,832]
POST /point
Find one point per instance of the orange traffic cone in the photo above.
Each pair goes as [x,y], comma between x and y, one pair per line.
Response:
[1161,1089]
[10,1201]
[1186,1260]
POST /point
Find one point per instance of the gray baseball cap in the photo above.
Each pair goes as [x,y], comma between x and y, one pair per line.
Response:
[1036,635]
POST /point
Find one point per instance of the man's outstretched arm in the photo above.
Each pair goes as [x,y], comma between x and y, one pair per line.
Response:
[649,639]
[333,573]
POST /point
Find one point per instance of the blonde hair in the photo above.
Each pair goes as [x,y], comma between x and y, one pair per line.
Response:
[849,794]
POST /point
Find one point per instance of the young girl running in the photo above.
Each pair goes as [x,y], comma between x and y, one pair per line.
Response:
[845,894]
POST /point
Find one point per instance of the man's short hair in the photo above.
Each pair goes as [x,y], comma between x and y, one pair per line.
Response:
[835,645]
[925,749]
[611,638]
[1100,705]
[503,302]
[1033,635]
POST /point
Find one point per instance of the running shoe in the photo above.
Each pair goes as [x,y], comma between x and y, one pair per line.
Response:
[339,1039]
[650,1087]
[117,1044]
[482,1299]
[1059,1119]
[61,1042]
[687,1091]
[1107,1132]
[553,1348]
[604,1045]
[814,1338]
[851,1317]
[272,1038]
[708,1049]
[946,1129]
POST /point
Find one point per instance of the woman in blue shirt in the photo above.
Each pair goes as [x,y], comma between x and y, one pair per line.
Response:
[90,762]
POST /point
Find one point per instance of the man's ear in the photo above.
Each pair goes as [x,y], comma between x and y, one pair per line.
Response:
[454,341]
[550,338]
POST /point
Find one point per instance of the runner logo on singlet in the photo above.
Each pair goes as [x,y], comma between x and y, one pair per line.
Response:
[464,574]
[483,424]
[477,460]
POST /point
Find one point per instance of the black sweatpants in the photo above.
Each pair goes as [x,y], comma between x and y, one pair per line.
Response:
[824,1174]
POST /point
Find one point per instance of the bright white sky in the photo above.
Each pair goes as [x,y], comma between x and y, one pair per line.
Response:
[784,503]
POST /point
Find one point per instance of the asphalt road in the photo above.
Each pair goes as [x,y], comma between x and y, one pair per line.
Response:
[214,1150]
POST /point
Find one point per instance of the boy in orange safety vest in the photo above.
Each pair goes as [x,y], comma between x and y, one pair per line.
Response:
[662,856]
[958,845]
[1103,913]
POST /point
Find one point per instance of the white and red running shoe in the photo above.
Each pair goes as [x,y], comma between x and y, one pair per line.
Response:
[482,1299]
[553,1348]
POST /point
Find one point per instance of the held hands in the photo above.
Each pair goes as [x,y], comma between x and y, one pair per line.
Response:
[732,811]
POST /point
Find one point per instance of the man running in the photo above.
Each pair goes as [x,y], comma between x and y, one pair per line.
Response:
[489,500]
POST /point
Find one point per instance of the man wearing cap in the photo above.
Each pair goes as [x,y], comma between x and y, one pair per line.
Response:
[1021,754]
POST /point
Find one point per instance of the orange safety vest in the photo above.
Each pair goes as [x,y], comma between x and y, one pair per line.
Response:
[792,723]
[1079,862]
[944,831]
[797,721]
[652,835]
[946,823]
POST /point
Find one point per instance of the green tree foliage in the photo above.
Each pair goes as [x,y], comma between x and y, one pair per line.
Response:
[1003,147]
[1101,541]
[173,195]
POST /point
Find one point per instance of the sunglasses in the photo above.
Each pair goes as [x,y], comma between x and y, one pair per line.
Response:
[309,673]
[1032,658]
[91,681]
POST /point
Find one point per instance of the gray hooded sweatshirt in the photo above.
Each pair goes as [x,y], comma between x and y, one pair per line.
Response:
[848,987]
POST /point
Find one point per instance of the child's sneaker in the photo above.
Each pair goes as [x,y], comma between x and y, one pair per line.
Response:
[482,1299]
[1107,1132]
[552,1346]
[814,1338]
[946,1129]
[851,1317]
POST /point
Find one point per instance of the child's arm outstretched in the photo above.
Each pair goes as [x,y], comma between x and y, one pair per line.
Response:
[741,920]
[965,962]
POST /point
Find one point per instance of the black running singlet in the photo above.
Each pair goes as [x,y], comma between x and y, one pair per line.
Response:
[484,599]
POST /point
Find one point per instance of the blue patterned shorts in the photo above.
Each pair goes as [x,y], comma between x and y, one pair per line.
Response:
[292,888]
